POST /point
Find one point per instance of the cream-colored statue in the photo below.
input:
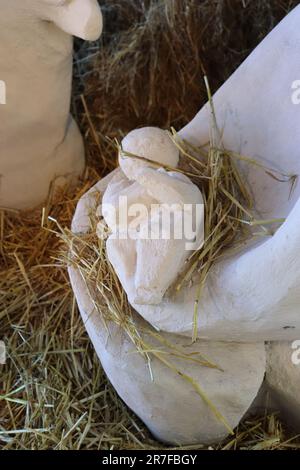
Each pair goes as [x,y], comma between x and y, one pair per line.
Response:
[257,292]
[39,140]
[248,299]
[156,217]
[168,405]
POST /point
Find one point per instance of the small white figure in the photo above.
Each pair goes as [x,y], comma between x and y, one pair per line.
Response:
[156,216]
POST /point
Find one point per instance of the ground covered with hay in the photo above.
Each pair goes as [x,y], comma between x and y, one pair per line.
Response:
[146,70]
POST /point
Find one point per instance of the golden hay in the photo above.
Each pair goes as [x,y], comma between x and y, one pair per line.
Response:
[224,192]
[53,392]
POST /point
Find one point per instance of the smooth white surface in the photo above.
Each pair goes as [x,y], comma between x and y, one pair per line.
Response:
[39,140]
[159,202]
[148,267]
[151,143]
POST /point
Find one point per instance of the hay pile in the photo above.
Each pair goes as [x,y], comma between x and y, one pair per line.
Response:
[53,393]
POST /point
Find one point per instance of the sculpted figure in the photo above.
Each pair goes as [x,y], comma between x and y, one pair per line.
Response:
[39,140]
[249,298]
[156,217]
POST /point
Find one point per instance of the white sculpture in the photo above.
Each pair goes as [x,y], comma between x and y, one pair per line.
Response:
[251,297]
[39,140]
[168,405]
[156,203]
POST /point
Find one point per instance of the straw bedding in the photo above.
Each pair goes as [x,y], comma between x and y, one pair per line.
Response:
[146,70]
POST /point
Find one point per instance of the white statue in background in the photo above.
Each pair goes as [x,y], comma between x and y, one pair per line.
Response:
[156,216]
[248,298]
[39,140]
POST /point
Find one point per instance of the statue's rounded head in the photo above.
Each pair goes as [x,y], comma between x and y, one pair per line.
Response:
[80,18]
[151,143]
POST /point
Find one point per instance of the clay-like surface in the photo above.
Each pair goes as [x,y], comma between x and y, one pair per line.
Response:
[254,296]
[169,406]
